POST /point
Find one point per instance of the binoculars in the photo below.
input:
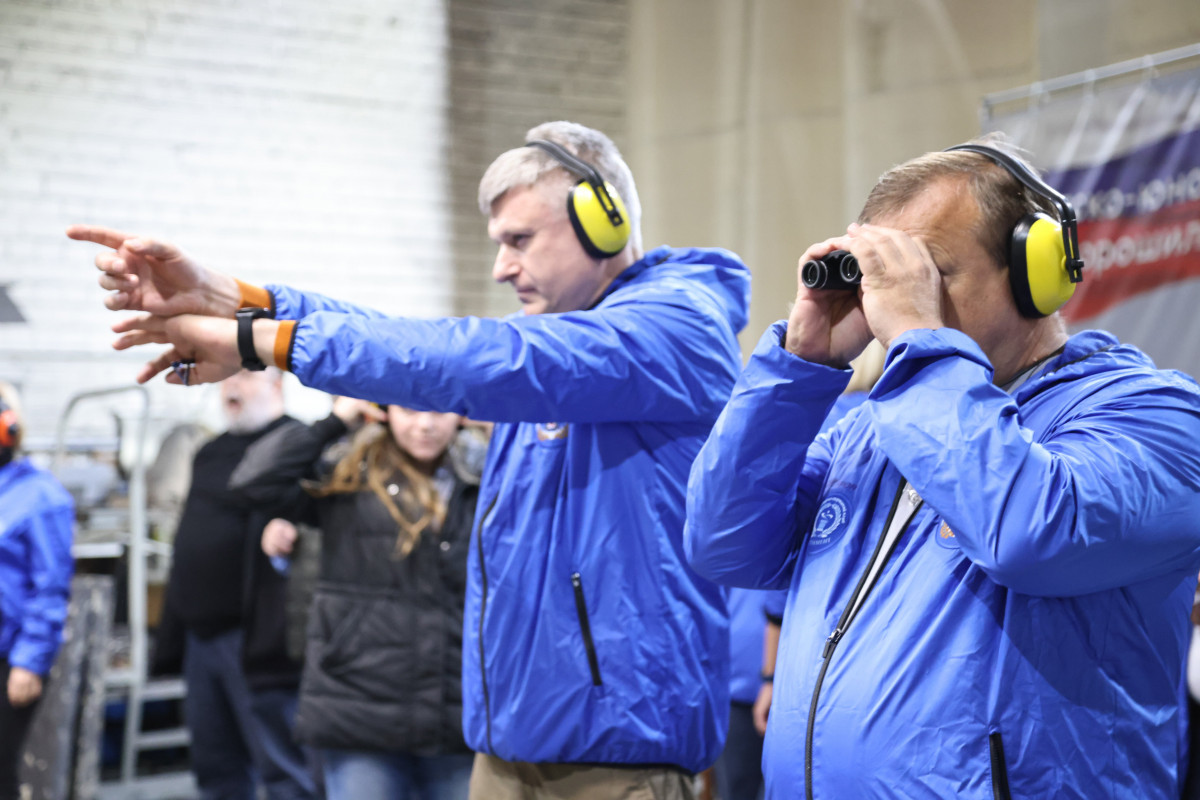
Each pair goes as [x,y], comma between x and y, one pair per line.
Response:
[837,270]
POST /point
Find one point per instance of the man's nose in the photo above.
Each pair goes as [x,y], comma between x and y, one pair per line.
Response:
[506,266]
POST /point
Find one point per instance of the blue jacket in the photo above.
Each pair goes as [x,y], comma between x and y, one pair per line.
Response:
[587,637]
[749,609]
[1028,631]
[37,517]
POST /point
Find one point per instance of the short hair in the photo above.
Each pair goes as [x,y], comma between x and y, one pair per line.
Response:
[10,398]
[1002,199]
[527,166]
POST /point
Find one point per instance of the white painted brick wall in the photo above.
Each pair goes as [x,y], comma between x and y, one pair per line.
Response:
[297,142]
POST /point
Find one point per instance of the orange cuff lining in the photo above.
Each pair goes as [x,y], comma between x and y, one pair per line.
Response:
[254,296]
[283,342]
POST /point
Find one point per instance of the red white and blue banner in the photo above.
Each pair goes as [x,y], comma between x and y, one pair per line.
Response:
[1127,154]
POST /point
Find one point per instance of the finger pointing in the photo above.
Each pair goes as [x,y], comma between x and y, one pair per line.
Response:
[95,233]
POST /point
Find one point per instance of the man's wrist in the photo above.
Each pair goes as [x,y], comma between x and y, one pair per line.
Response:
[224,295]
[273,340]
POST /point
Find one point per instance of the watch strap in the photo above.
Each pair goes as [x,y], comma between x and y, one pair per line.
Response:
[245,337]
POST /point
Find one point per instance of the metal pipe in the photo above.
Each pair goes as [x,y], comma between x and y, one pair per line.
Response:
[1088,77]
[136,550]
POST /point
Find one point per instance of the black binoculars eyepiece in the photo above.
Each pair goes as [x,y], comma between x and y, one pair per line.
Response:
[836,270]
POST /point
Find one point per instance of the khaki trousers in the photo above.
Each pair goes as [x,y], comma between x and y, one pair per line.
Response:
[496,779]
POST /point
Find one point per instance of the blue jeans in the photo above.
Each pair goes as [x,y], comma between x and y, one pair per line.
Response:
[238,734]
[739,768]
[358,774]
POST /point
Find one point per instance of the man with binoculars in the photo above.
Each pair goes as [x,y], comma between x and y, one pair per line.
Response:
[989,563]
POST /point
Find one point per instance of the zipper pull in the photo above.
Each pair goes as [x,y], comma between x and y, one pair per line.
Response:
[831,642]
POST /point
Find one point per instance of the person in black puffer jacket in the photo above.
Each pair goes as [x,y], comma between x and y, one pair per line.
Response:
[381,693]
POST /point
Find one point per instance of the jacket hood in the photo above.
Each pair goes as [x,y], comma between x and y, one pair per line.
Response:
[1091,353]
[718,272]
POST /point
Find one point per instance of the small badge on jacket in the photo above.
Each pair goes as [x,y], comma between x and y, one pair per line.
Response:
[552,431]
[831,522]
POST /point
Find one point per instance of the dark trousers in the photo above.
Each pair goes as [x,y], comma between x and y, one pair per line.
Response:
[739,769]
[1191,779]
[14,725]
[238,734]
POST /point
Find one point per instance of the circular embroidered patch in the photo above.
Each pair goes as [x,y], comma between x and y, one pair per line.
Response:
[831,522]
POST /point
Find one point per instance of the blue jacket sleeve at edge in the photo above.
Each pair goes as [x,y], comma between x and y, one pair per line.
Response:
[757,477]
[1107,499]
[36,645]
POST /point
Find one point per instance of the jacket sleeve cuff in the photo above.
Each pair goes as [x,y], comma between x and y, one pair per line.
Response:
[255,297]
[285,337]
[36,658]
[771,356]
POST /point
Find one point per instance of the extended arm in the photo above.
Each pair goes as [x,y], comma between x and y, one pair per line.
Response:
[645,360]
[269,475]
[625,362]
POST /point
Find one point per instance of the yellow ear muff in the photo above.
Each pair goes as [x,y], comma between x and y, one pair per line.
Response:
[592,222]
[1037,266]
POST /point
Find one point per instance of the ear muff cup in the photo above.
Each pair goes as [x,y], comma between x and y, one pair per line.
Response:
[10,429]
[592,224]
[1037,266]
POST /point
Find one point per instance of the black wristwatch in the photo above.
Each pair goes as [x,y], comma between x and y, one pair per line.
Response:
[245,337]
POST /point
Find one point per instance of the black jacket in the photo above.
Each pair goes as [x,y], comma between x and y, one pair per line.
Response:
[383,658]
[220,580]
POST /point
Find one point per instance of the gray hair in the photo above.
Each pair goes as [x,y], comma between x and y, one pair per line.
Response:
[526,166]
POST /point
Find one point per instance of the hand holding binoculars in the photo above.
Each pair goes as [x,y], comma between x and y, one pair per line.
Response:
[836,270]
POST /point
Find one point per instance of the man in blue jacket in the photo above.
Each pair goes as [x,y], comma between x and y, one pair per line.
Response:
[594,659]
[990,562]
[37,517]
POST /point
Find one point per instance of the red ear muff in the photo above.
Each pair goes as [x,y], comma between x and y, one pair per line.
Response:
[10,429]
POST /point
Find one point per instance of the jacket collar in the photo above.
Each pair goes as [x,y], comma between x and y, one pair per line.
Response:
[656,256]
[1084,354]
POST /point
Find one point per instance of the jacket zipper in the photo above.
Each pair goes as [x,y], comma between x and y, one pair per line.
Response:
[840,630]
[487,706]
[585,627]
[1000,790]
